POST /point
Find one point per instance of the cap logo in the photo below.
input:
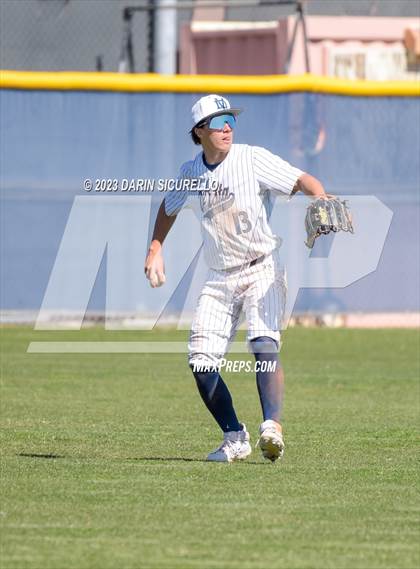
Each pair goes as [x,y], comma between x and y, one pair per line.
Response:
[220,103]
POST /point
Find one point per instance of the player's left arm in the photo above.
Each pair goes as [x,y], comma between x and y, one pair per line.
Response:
[275,174]
[310,186]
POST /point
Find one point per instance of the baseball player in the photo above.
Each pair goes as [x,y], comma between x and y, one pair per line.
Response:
[239,183]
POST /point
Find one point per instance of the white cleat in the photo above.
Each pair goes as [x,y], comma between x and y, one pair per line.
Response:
[235,446]
[271,440]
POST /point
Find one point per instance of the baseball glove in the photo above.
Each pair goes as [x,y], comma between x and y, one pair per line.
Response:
[325,215]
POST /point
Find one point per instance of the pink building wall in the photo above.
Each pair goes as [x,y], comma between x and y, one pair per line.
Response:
[325,32]
[263,50]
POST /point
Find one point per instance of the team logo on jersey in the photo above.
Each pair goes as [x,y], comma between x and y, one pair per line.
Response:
[220,103]
[215,201]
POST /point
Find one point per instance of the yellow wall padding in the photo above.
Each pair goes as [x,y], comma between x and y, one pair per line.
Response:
[253,84]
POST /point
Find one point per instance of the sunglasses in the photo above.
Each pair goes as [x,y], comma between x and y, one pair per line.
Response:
[218,123]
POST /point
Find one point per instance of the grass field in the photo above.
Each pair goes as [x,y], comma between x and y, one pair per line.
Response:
[103,465]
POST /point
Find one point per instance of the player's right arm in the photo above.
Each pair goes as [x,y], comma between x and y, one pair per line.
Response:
[154,266]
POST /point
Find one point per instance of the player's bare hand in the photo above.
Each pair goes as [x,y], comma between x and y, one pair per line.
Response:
[154,267]
[323,197]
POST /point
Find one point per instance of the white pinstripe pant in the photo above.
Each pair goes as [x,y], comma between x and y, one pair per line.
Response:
[259,291]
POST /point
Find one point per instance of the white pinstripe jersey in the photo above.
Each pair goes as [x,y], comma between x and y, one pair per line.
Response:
[235,216]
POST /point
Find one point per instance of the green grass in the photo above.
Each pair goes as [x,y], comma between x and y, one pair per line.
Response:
[126,487]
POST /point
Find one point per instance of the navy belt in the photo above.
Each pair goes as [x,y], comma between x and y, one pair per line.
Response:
[245,265]
[256,261]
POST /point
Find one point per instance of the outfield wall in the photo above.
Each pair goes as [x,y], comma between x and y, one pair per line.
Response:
[359,138]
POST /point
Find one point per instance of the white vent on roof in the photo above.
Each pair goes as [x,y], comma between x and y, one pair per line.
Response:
[378,62]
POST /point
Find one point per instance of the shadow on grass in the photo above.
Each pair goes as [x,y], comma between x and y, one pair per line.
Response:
[35,455]
[164,459]
[181,459]
[132,459]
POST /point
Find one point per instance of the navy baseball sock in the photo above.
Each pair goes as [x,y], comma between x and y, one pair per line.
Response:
[217,398]
[269,383]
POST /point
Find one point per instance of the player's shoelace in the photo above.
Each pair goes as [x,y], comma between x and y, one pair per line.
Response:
[229,446]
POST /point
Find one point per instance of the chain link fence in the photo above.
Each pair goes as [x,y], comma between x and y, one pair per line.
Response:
[87,35]
[57,35]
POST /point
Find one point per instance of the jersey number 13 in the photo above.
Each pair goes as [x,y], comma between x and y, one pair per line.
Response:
[242,222]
